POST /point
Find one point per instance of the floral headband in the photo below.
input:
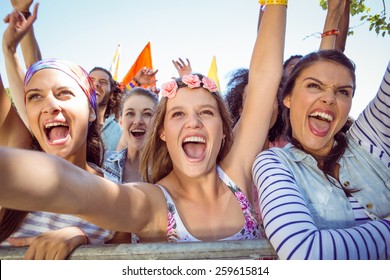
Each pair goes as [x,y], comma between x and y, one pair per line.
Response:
[169,89]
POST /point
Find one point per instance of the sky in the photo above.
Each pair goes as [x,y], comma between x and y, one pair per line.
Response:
[88,31]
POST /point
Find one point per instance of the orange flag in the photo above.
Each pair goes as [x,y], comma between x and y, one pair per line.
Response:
[144,60]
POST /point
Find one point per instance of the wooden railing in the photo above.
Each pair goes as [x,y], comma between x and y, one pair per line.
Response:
[245,249]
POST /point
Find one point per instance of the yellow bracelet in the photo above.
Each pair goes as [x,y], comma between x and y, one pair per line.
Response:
[275,2]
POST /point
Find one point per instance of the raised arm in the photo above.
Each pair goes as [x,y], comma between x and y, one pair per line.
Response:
[265,72]
[17,28]
[332,29]
[29,44]
[11,122]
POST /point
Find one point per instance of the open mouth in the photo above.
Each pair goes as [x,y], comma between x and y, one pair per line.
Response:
[320,122]
[138,133]
[194,147]
[56,131]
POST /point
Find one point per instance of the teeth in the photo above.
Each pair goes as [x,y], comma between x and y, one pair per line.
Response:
[138,130]
[194,139]
[55,124]
[323,115]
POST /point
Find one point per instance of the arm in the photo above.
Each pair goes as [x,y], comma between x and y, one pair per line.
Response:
[17,28]
[372,125]
[333,15]
[341,40]
[13,133]
[291,229]
[265,72]
[53,184]
[29,44]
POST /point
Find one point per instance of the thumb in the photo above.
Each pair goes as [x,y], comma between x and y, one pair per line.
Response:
[20,241]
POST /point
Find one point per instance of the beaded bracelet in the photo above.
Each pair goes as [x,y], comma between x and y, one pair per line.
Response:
[136,81]
[334,31]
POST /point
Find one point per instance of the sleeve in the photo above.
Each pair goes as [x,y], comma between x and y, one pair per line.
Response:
[291,230]
[372,127]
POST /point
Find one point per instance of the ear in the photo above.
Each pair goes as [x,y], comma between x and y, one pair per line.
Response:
[287,101]
[162,135]
[92,115]
[120,122]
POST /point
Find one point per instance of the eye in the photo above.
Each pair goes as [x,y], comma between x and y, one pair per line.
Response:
[65,93]
[103,82]
[147,114]
[130,114]
[344,92]
[177,114]
[207,112]
[33,96]
[313,85]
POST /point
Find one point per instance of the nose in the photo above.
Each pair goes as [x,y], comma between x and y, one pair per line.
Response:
[138,118]
[51,105]
[329,97]
[96,83]
[193,121]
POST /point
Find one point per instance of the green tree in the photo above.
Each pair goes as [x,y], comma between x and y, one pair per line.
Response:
[377,22]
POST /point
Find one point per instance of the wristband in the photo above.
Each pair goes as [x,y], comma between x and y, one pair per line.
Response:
[132,85]
[136,81]
[26,15]
[334,31]
[275,2]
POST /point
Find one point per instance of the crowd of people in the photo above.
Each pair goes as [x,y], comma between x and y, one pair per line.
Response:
[86,160]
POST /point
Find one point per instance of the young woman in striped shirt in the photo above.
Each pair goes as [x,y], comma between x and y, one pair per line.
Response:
[326,195]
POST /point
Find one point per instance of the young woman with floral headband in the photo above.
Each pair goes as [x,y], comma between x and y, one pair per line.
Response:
[197,171]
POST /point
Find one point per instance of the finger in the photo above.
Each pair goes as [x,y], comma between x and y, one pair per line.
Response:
[188,62]
[20,241]
[30,254]
[7,18]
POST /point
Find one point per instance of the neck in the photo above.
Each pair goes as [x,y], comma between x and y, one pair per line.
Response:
[102,111]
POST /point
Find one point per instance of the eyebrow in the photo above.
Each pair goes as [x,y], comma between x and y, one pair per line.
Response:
[201,107]
[321,83]
[58,88]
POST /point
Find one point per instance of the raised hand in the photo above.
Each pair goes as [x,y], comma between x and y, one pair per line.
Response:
[17,28]
[181,67]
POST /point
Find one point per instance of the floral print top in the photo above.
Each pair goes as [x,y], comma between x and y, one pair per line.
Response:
[177,232]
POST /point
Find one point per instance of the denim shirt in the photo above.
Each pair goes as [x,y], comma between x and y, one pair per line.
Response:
[114,163]
[359,170]
[111,133]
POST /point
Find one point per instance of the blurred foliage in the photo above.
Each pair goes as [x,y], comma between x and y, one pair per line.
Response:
[377,22]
